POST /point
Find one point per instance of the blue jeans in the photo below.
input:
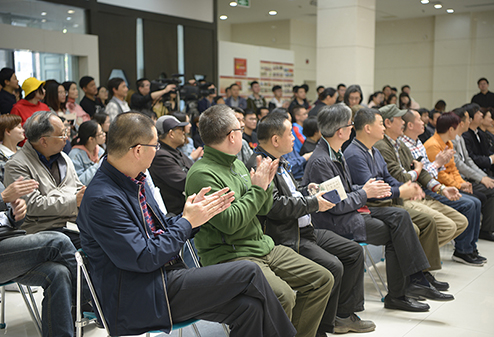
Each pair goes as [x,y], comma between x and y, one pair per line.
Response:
[44,259]
[470,207]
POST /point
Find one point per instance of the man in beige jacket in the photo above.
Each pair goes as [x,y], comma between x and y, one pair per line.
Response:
[60,192]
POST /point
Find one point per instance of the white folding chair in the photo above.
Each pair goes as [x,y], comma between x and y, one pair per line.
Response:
[30,305]
[83,319]
[367,255]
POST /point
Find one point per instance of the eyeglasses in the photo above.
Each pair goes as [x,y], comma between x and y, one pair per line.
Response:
[239,129]
[100,134]
[64,135]
[345,126]
[156,146]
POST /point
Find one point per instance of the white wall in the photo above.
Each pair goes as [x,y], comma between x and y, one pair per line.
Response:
[39,40]
[440,57]
[201,10]
[404,54]
[303,41]
[296,35]
[275,34]
[227,51]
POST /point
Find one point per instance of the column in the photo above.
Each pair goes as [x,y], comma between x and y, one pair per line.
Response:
[345,43]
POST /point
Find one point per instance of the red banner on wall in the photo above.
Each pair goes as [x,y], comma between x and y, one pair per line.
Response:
[240,67]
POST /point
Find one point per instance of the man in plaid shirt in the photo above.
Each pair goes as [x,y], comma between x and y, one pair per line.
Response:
[414,126]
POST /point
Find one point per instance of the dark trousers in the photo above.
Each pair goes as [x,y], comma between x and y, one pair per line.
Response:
[345,260]
[486,197]
[235,293]
[393,228]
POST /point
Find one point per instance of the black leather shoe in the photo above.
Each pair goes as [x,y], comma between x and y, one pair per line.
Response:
[486,235]
[405,304]
[429,292]
[441,286]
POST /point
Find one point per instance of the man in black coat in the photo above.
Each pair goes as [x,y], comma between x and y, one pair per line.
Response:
[351,218]
[476,141]
[170,166]
[289,224]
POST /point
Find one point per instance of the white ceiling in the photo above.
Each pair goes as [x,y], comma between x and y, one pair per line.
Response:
[306,9]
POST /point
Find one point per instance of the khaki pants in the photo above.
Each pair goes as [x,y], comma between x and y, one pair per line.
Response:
[288,271]
[427,236]
[449,222]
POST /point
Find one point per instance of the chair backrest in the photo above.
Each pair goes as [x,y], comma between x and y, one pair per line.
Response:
[82,269]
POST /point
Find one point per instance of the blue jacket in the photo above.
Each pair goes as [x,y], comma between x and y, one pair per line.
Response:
[126,260]
[242,102]
[297,162]
[363,167]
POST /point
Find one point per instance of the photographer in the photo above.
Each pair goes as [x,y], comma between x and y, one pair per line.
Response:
[144,98]
[208,100]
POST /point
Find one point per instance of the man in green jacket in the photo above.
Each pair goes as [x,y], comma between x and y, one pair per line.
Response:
[236,233]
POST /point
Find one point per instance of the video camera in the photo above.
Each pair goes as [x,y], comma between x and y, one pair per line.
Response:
[186,92]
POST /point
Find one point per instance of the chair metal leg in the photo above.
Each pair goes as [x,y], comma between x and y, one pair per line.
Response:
[226,329]
[196,330]
[375,268]
[180,333]
[2,313]
[32,308]
[79,323]
[374,281]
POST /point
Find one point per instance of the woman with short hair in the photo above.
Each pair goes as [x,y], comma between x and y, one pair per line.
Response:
[11,133]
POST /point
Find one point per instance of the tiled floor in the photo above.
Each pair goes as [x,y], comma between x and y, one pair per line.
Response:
[469,315]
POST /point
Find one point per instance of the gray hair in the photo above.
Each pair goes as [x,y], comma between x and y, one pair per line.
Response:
[39,125]
[215,123]
[332,118]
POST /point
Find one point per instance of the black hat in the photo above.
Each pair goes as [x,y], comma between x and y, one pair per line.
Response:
[166,123]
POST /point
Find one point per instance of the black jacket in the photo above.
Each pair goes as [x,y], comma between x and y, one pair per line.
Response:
[281,223]
[315,110]
[344,218]
[479,152]
[169,170]
[7,100]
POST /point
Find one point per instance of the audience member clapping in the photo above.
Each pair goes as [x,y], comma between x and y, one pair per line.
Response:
[60,192]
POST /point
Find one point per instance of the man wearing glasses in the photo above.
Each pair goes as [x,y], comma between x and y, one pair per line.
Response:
[60,192]
[133,250]
[170,166]
[236,233]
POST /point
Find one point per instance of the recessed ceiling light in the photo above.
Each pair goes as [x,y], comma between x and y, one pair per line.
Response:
[69,18]
[44,20]
[71,11]
[272,12]
[233,4]
[223,17]
[43,13]
[438,6]
[64,31]
[450,10]
[424,2]
[76,25]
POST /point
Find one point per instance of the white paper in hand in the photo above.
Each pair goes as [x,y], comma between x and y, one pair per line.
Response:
[334,184]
